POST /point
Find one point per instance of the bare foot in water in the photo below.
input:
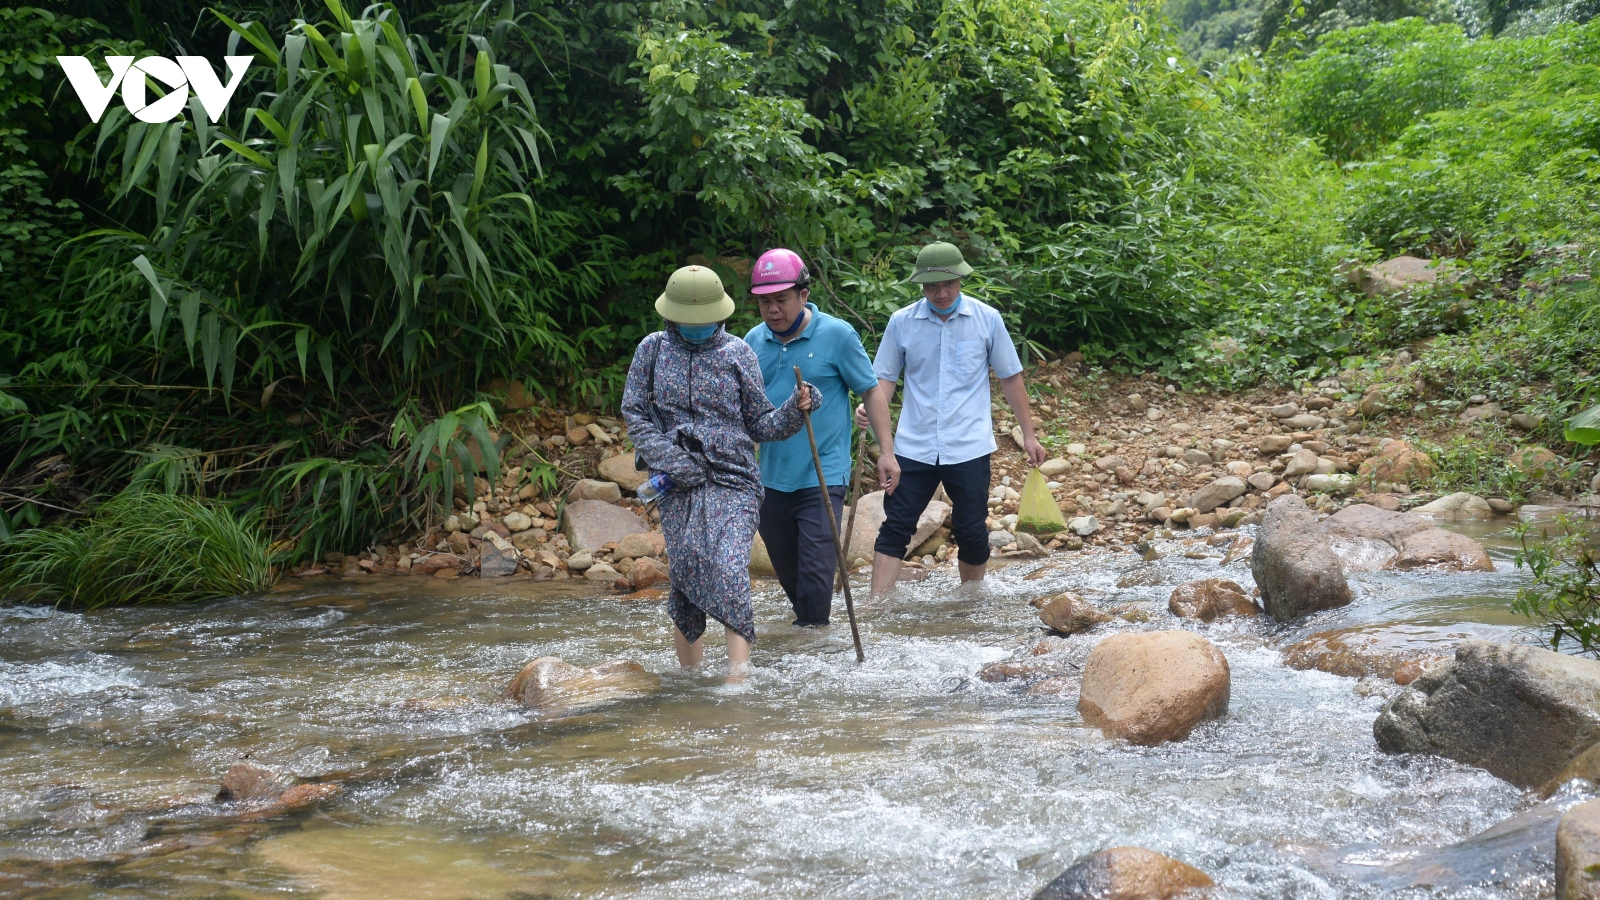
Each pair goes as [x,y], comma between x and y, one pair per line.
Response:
[738,672]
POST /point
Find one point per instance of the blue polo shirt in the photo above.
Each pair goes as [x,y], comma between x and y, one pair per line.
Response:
[830,356]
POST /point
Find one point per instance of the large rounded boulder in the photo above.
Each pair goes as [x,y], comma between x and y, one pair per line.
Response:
[1153,687]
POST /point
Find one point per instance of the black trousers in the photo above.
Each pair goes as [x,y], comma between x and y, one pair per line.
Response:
[800,545]
[967,484]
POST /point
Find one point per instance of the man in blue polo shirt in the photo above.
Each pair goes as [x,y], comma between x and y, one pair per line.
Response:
[828,351]
[944,345]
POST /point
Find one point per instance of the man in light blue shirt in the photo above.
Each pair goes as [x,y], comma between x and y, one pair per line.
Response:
[794,523]
[944,345]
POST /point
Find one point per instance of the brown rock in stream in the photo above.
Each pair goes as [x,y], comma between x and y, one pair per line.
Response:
[1211,598]
[246,782]
[1125,873]
[1155,687]
[264,793]
[553,686]
[645,573]
[1071,614]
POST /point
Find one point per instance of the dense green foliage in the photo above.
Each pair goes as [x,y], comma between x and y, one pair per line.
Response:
[302,307]
[140,547]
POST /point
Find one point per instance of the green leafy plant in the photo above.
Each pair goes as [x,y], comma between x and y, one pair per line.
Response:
[1565,595]
[139,547]
[439,456]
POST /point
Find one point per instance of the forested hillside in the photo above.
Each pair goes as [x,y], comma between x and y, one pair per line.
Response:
[309,307]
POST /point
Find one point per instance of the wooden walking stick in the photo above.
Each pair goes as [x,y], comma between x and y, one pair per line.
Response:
[833,521]
[855,500]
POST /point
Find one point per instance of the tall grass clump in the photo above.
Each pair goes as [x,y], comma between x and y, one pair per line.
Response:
[139,547]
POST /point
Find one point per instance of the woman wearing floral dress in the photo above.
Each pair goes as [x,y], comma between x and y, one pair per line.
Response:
[696,407]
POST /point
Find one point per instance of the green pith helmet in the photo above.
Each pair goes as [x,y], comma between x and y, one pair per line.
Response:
[939,261]
[694,296]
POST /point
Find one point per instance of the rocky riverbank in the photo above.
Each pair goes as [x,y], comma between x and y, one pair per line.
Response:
[1130,455]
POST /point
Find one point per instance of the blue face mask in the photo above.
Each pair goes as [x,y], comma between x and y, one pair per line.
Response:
[948,310]
[698,334]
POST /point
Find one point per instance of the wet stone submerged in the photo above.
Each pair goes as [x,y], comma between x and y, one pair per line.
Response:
[908,776]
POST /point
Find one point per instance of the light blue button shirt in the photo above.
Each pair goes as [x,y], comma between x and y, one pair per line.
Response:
[944,413]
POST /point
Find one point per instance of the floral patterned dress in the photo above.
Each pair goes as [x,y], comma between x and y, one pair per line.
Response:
[713,409]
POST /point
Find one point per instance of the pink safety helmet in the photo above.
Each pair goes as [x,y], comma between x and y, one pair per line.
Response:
[778,270]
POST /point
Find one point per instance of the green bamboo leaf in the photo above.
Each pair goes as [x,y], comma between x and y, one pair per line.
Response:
[325,358]
[249,154]
[167,166]
[323,48]
[201,121]
[354,59]
[266,48]
[339,15]
[532,143]
[147,153]
[367,36]
[277,129]
[486,445]
[441,130]
[479,168]
[189,316]
[352,195]
[419,102]
[230,345]
[294,47]
[447,431]
[401,48]
[288,162]
[302,344]
[210,345]
[269,204]
[375,116]
[482,75]
[468,469]
[111,126]
[142,263]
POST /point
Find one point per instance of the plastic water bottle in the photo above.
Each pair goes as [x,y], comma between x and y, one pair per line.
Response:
[652,490]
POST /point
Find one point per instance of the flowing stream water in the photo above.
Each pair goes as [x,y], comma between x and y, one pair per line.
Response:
[904,777]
